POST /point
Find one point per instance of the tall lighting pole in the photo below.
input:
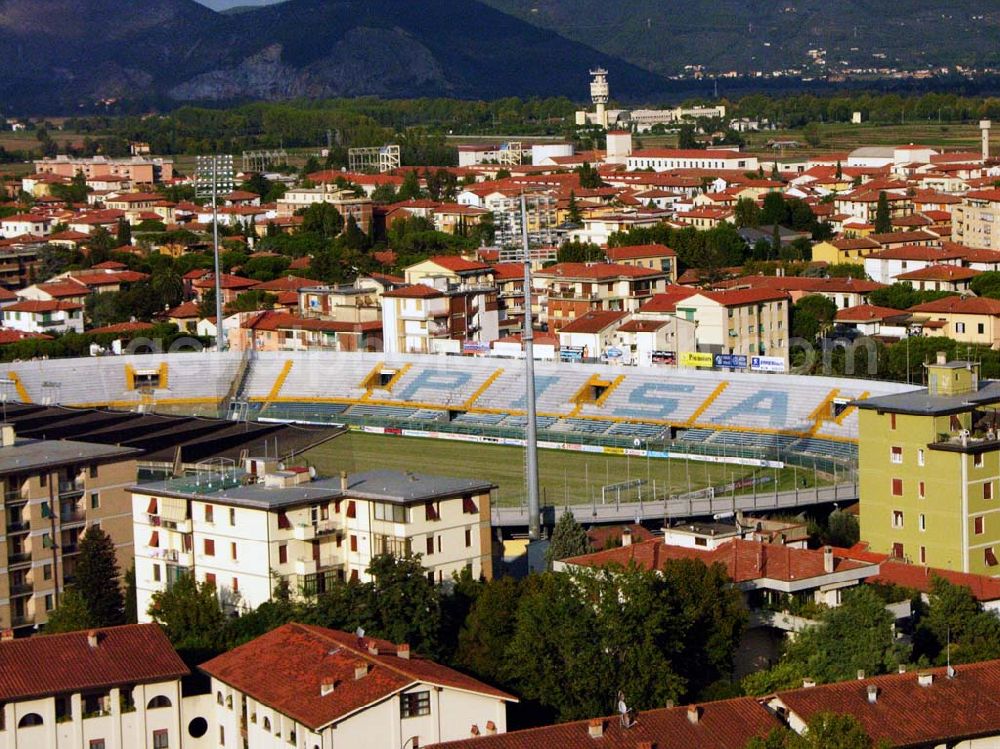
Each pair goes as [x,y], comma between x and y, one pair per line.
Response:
[212,175]
[531,436]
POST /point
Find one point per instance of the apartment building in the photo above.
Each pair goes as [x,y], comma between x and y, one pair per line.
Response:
[345,201]
[653,256]
[929,465]
[137,169]
[29,316]
[53,491]
[424,319]
[348,690]
[240,528]
[973,320]
[973,220]
[746,322]
[573,289]
[664,159]
[112,688]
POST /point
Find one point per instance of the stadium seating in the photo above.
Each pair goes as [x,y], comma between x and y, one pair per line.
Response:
[321,413]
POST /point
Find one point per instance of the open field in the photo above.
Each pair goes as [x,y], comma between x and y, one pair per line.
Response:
[565,477]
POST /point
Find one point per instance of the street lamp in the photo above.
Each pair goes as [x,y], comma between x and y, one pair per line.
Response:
[212,174]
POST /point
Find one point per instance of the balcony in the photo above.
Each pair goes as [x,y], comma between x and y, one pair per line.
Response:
[306,566]
[23,589]
[304,532]
[72,517]
[70,548]
[326,527]
[22,557]
[21,621]
[964,441]
[17,526]
[71,487]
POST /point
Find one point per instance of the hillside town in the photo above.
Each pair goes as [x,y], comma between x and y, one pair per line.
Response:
[278,469]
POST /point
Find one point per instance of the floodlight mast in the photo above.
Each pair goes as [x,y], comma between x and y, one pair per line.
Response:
[211,164]
[530,432]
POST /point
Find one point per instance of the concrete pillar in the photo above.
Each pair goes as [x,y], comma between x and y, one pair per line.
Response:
[984,127]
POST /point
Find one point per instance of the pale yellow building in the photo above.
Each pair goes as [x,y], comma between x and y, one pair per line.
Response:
[974,220]
[974,320]
[747,322]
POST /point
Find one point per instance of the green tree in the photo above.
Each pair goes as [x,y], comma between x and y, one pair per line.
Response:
[833,731]
[131,598]
[573,212]
[71,615]
[98,578]
[747,212]
[590,178]
[322,219]
[579,252]
[773,211]
[686,138]
[569,539]
[410,189]
[384,193]
[206,305]
[987,284]
[955,617]
[488,629]
[189,613]
[353,238]
[404,605]
[842,529]
[776,240]
[124,233]
[251,301]
[167,286]
[883,218]
[811,315]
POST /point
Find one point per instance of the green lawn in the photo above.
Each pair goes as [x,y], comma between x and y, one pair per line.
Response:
[565,477]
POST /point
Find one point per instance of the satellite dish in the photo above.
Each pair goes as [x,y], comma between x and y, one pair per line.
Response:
[360,632]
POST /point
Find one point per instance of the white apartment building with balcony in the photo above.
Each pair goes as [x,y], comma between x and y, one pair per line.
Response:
[244,529]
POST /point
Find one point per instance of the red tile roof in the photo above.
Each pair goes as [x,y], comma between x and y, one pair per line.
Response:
[596,271]
[866,313]
[123,327]
[458,264]
[31,305]
[667,302]
[633,252]
[802,283]
[740,297]
[593,321]
[906,714]
[285,668]
[416,291]
[939,273]
[64,287]
[278,320]
[956,304]
[904,237]
[132,654]
[725,724]
[285,283]
[744,560]
[13,336]
[918,252]
[228,280]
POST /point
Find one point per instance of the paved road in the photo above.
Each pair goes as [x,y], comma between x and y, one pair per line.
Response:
[683,508]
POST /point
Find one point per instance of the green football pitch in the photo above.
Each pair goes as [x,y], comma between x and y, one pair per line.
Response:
[565,477]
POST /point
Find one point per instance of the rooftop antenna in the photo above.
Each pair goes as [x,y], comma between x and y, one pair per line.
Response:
[530,432]
[950,671]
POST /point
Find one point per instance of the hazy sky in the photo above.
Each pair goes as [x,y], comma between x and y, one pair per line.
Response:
[223,4]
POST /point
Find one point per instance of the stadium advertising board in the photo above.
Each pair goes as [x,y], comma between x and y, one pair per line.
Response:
[696,359]
[475,347]
[665,358]
[767,364]
[571,353]
[731,361]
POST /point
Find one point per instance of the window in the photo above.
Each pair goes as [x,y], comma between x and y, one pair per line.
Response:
[283,522]
[93,472]
[431,511]
[897,518]
[892,421]
[988,490]
[354,543]
[95,500]
[222,735]
[236,585]
[352,509]
[897,551]
[430,545]
[209,514]
[977,460]
[31,719]
[469,506]
[960,327]
[283,554]
[897,487]
[158,702]
[896,455]
[232,516]
[209,547]
[47,572]
[978,525]
[232,549]
[96,744]
[923,555]
[156,573]
[267,723]
[923,522]
[920,457]
[980,328]
[49,604]
[921,491]
[161,739]
[439,544]
[390,512]
[990,557]
[210,578]
[468,537]
[412,705]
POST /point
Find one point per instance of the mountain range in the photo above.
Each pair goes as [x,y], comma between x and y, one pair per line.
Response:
[60,54]
[73,52]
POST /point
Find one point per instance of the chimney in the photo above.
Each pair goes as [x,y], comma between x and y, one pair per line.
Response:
[872,694]
[491,728]
[670,704]
[925,678]
[942,357]
[902,668]
[343,481]
[827,560]
[6,635]
[360,670]
[808,683]
[861,674]
[595,728]
[694,714]
[372,648]
[92,638]
[474,730]
[7,435]
[326,686]
[627,537]
[403,650]
[646,745]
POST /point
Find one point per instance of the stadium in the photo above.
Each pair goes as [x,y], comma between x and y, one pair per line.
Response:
[608,422]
